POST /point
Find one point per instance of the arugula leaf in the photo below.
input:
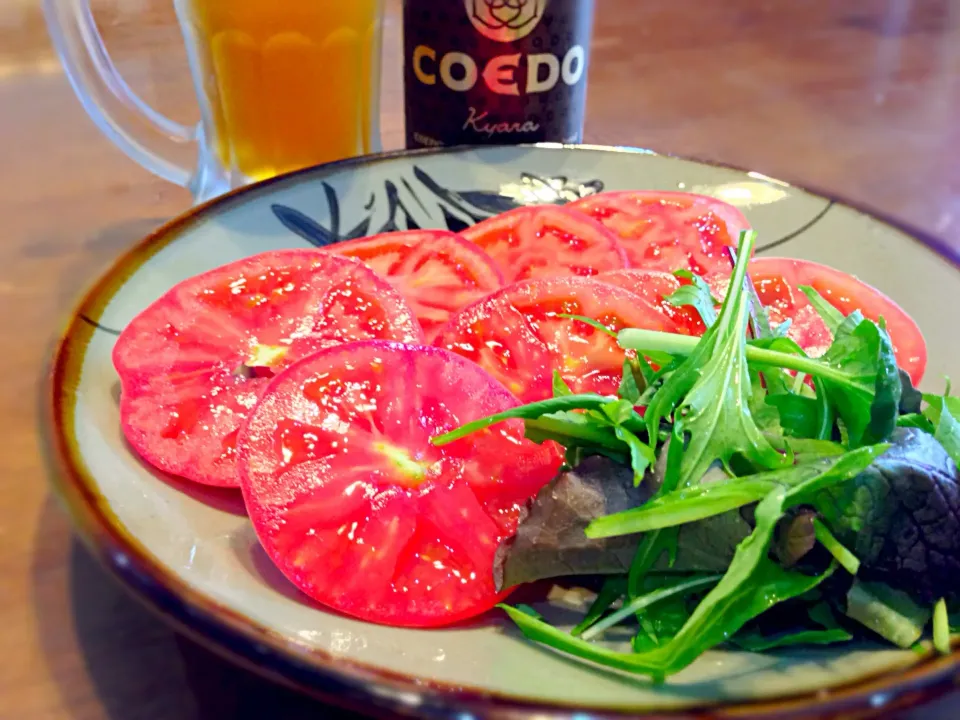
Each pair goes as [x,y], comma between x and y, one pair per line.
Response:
[576,430]
[831,317]
[889,613]
[802,482]
[870,405]
[936,403]
[614,588]
[534,410]
[697,295]
[661,623]
[710,391]
[752,584]
[560,387]
[630,390]
[652,546]
[829,632]
[641,454]
[755,642]
[916,420]
[948,433]
[803,417]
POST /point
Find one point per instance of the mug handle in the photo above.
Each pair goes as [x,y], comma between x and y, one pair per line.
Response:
[141,132]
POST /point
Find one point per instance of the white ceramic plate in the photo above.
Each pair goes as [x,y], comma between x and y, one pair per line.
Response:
[192,554]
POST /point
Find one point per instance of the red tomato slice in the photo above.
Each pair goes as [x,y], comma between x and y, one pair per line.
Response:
[437,271]
[777,281]
[193,364]
[358,509]
[668,230]
[547,240]
[518,336]
[655,286]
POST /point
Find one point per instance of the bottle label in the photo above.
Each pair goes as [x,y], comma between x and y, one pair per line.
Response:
[494,72]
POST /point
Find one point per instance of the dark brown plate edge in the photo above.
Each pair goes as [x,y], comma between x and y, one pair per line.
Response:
[343,682]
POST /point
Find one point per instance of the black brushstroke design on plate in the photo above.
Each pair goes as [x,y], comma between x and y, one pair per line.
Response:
[98,326]
[411,204]
[799,231]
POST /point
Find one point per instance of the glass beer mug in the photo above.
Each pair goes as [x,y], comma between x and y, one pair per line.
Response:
[282,84]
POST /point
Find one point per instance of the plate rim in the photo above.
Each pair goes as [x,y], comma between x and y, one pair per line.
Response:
[342,681]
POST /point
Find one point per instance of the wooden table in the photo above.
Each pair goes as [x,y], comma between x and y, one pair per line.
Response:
[860,97]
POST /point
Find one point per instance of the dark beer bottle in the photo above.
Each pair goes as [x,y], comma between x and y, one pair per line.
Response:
[491,72]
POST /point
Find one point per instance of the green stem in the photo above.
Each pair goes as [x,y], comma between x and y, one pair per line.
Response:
[558,427]
[585,401]
[843,556]
[941,628]
[651,340]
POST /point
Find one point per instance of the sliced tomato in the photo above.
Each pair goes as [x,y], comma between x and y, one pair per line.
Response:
[355,505]
[436,271]
[547,240]
[777,281]
[519,336]
[668,230]
[655,286]
[193,364]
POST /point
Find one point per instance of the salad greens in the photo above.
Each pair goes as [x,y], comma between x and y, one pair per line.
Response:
[737,490]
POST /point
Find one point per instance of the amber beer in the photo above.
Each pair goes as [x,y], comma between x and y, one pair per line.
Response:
[286,83]
[481,72]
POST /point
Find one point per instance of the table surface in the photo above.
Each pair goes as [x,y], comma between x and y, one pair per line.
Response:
[860,98]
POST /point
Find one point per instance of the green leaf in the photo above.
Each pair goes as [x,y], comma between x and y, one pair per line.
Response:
[752,584]
[889,613]
[629,387]
[868,400]
[686,505]
[696,295]
[616,412]
[755,642]
[916,420]
[651,548]
[935,405]
[614,588]
[595,324]
[576,430]
[803,417]
[560,387]
[948,434]
[828,632]
[831,317]
[586,401]
[711,390]
[641,454]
